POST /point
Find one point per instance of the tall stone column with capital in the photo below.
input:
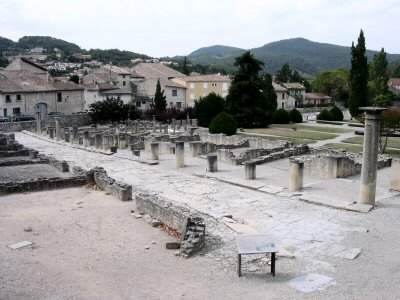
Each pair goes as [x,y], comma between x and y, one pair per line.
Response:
[370,154]
[58,129]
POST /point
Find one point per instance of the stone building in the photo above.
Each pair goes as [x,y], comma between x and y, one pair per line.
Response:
[283,99]
[201,85]
[26,88]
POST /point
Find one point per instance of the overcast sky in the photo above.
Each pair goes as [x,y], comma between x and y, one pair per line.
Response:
[171,27]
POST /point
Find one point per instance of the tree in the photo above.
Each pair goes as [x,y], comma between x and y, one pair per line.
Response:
[206,108]
[251,100]
[358,76]
[281,116]
[396,71]
[295,116]
[160,103]
[380,78]
[111,109]
[74,78]
[334,83]
[390,124]
[185,69]
[223,123]
[284,74]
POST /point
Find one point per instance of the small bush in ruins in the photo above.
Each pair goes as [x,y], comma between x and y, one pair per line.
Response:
[207,108]
[281,116]
[295,116]
[112,109]
[223,123]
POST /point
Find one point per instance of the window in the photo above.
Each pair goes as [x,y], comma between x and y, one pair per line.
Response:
[19,98]
[178,105]
[213,84]
[123,83]
[174,93]
[192,85]
[8,98]
[205,85]
[5,112]
[59,97]
[16,111]
[138,104]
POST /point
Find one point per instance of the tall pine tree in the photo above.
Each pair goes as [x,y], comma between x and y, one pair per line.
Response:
[160,103]
[251,100]
[358,76]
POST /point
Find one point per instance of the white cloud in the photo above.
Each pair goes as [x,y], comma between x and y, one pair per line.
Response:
[160,27]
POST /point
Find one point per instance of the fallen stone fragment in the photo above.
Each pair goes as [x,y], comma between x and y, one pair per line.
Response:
[20,245]
[147,219]
[173,245]
[349,254]
[155,223]
[137,216]
[28,229]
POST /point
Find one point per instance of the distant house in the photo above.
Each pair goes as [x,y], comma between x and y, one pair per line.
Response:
[316,99]
[295,90]
[145,77]
[394,86]
[283,99]
[198,86]
[27,88]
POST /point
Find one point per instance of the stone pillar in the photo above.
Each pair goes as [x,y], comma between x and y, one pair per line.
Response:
[212,161]
[155,151]
[250,170]
[296,172]
[58,129]
[180,154]
[195,148]
[370,154]
[106,144]
[166,129]
[86,138]
[173,126]
[98,141]
[75,138]
[395,183]
[51,132]
[38,123]
[154,123]
[67,134]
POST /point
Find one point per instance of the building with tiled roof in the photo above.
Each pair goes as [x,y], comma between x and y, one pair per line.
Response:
[26,88]
[198,86]
[394,85]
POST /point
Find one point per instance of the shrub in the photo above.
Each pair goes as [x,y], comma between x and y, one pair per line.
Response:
[336,114]
[325,115]
[207,108]
[223,123]
[295,116]
[281,116]
[111,109]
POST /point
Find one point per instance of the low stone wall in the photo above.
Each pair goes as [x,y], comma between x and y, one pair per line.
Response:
[120,190]
[261,156]
[334,164]
[41,184]
[62,166]
[179,218]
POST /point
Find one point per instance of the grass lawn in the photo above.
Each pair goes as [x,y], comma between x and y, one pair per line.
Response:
[393,142]
[286,133]
[358,148]
[313,127]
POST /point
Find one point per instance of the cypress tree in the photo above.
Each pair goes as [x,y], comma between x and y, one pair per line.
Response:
[160,102]
[358,76]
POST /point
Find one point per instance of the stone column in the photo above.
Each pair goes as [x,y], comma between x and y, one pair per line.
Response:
[370,154]
[155,151]
[51,132]
[173,126]
[395,183]
[98,141]
[75,138]
[86,138]
[106,141]
[38,123]
[250,170]
[180,154]
[67,134]
[212,162]
[154,123]
[196,148]
[58,129]
[296,172]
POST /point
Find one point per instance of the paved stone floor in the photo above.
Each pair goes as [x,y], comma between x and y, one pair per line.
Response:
[28,172]
[318,236]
